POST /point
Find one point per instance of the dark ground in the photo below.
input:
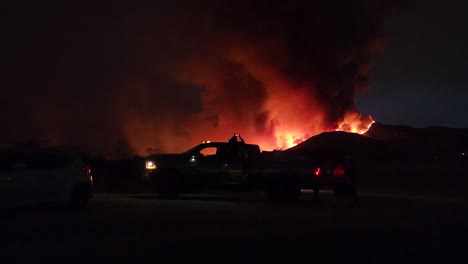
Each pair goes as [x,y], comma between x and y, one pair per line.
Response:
[238,227]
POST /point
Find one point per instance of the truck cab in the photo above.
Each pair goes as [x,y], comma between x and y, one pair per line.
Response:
[210,164]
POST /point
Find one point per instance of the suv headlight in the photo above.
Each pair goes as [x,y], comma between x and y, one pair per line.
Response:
[150,165]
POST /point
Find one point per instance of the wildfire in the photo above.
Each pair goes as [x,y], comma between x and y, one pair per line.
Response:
[288,140]
[247,92]
[354,122]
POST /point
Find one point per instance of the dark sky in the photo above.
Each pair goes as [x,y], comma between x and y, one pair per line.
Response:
[122,76]
[421,77]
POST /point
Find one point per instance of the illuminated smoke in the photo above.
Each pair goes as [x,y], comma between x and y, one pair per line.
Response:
[124,79]
[277,72]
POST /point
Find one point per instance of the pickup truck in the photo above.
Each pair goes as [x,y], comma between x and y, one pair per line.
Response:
[220,164]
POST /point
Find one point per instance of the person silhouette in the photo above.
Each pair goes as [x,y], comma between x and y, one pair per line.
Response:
[344,180]
[234,138]
[237,152]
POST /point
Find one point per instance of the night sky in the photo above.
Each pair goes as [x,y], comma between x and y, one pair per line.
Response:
[420,78]
[121,76]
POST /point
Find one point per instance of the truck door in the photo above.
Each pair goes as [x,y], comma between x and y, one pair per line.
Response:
[209,165]
[17,184]
[234,165]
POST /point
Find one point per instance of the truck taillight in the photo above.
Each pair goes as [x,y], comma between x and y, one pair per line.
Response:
[86,169]
[317,172]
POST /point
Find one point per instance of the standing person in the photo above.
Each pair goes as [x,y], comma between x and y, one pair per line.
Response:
[323,176]
[339,180]
[235,146]
[350,170]
[238,153]
[233,140]
[344,180]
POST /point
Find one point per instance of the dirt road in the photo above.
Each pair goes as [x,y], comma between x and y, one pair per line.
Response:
[239,226]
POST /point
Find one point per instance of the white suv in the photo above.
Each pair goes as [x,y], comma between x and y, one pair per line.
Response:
[28,177]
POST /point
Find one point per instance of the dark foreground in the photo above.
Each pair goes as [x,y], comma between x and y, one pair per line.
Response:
[240,227]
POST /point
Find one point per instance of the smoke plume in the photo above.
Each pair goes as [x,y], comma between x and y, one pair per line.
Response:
[133,78]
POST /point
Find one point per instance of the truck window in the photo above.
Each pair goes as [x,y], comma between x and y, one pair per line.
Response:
[208,151]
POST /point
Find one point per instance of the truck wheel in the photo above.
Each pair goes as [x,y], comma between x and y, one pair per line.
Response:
[284,191]
[79,196]
[167,184]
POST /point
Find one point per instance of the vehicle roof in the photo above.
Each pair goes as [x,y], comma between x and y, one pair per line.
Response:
[39,151]
[223,143]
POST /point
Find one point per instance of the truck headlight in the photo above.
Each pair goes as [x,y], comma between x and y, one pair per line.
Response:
[150,165]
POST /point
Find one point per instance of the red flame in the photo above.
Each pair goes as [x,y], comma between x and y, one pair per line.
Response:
[290,135]
[354,122]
